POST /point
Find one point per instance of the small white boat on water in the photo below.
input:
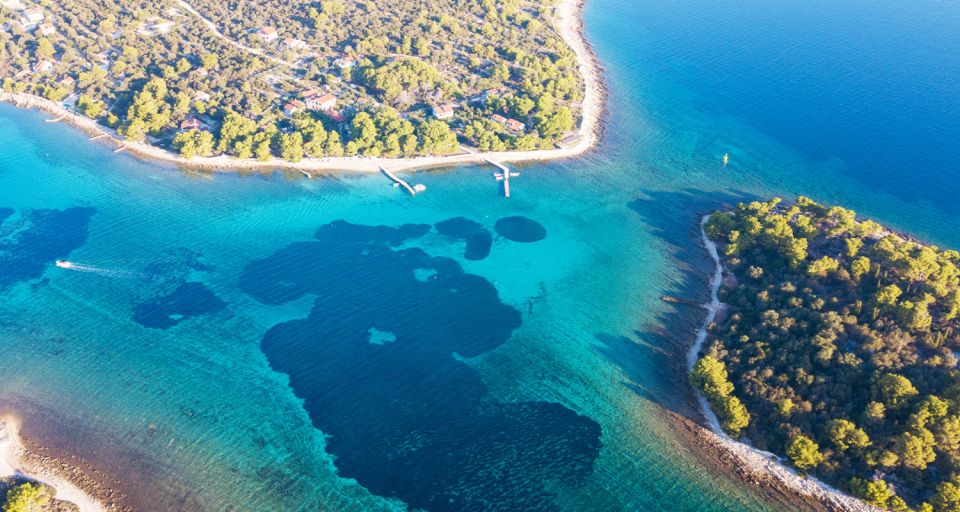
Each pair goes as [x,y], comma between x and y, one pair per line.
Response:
[64,264]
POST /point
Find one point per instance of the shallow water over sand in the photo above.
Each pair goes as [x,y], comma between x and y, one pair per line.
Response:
[341,371]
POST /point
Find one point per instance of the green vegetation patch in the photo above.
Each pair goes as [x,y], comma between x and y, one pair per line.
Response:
[27,497]
[262,79]
[838,350]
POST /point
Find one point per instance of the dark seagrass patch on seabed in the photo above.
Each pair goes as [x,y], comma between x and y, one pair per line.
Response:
[165,311]
[169,297]
[409,418]
[520,229]
[33,241]
[478,238]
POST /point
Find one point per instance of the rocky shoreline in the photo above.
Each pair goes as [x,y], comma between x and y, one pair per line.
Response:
[762,471]
[21,459]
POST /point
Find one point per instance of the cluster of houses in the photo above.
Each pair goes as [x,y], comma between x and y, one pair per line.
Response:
[318,100]
[31,18]
[512,125]
[34,18]
[314,99]
[270,34]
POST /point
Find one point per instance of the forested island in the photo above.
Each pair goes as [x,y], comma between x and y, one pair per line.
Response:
[297,79]
[838,350]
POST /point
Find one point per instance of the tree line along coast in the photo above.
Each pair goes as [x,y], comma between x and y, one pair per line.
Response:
[838,350]
[300,79]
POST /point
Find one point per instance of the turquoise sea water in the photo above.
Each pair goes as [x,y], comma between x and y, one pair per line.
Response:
[235,342]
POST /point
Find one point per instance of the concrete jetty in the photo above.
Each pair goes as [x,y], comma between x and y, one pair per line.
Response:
[504,171]
[506,175]
[398,180]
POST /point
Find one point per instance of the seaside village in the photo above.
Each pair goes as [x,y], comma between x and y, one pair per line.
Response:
[171,78]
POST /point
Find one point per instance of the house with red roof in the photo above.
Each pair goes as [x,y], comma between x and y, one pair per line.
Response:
[318,100]
[190,123]
[515,126]
[293,106]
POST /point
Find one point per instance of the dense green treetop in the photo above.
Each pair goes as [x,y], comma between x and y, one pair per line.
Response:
[840,343]
[27,497]
[146,67]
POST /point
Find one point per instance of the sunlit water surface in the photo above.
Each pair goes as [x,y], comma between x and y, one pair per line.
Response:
[234,342]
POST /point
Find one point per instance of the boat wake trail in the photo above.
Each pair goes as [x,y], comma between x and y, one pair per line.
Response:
[107,272]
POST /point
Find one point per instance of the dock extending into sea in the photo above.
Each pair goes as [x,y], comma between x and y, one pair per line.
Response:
[398,180]
[506,175]
[504,170]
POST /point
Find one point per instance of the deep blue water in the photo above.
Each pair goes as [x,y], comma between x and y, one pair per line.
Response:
[267,342]
[870,88]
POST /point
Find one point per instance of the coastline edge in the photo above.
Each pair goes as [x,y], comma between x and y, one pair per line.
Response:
[757,461]
[568,23]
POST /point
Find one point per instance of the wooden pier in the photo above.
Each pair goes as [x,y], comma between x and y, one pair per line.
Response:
[398,180]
